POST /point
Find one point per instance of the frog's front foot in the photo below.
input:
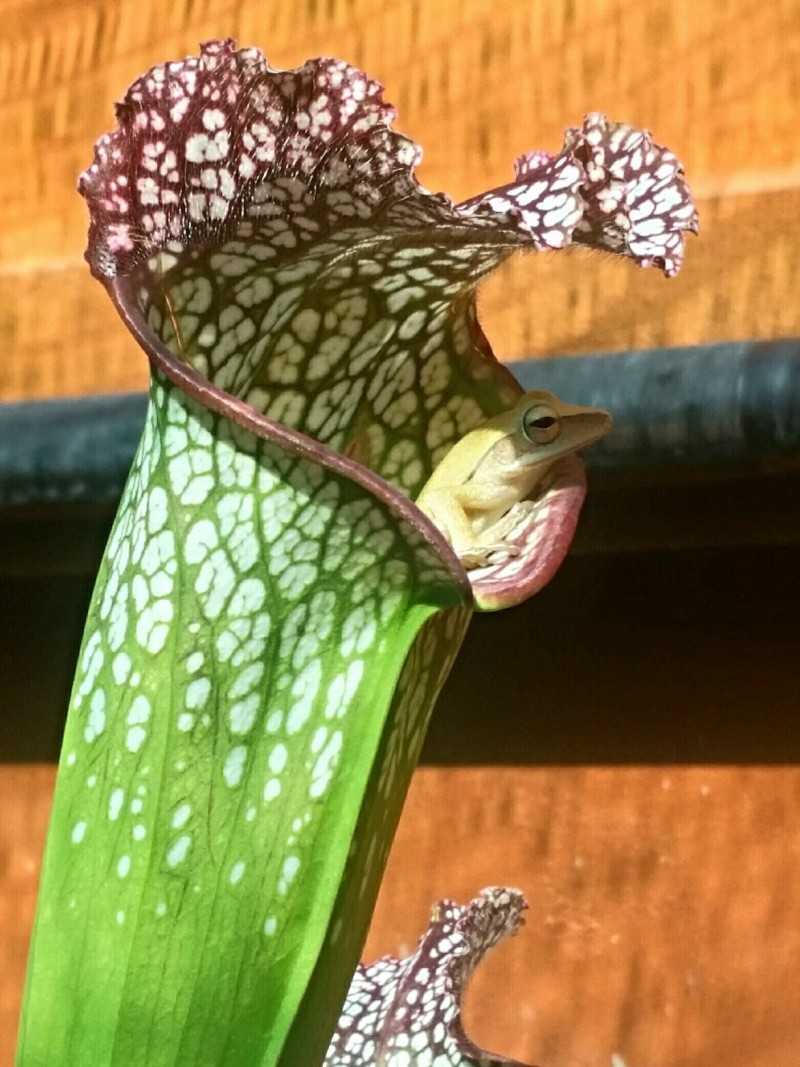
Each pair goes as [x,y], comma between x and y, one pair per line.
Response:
[495,545]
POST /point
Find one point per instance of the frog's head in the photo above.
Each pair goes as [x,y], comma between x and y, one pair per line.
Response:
[548,428]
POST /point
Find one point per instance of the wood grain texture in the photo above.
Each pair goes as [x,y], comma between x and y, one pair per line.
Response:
[663,906]
[663,909]
[25,797]
[476,83]
[664,902]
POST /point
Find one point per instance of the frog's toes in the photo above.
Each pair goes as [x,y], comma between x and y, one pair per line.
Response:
[539,531]
[486,555]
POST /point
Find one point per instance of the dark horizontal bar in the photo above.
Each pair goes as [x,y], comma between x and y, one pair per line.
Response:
[705,454]
[715,405]
[641,658]
[67,451]
[702,405]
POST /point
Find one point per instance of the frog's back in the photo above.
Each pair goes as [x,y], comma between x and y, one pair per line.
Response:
[460,462]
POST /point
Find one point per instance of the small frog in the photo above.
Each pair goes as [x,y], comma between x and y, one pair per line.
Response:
[480,490]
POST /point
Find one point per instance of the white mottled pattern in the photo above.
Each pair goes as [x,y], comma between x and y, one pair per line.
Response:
[411,1008]
[252,682]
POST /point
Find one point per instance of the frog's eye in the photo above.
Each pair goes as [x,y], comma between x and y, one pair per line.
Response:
[540,424]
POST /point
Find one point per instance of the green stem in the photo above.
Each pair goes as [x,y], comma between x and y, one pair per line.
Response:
[224,742]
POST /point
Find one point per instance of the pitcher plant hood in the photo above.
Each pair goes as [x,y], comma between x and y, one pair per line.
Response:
[263,234]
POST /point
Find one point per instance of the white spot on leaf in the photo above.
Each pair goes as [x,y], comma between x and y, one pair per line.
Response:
[178,850]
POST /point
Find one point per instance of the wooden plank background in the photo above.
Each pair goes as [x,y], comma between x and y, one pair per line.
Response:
[476,82]
[664,901]
[663,906]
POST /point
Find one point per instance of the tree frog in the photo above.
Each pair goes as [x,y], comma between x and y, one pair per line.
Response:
[482,488]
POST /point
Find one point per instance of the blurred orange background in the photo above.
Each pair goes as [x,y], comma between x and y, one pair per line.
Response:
[626,949]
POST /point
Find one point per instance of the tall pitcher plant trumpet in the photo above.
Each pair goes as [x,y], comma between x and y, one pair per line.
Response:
[274,617]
